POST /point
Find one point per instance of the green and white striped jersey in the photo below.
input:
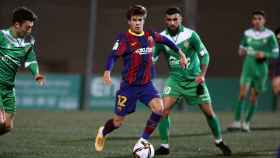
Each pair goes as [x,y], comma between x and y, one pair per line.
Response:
[13,53]
[189,42]
[264,40]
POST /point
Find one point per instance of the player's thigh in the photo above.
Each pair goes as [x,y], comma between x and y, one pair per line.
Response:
[192,98]
[168,102]
[9,101]
[125,102]
[260,83]
[149,96]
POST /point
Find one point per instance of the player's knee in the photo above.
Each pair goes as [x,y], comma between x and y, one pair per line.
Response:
[157,106]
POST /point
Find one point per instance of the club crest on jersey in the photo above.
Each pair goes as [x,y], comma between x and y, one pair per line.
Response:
[143,51]
[116,45]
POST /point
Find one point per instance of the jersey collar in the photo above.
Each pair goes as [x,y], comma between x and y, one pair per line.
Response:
[136,34]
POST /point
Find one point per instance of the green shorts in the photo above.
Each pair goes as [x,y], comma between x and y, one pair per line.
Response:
[186,90]
[8,99]
[254,76]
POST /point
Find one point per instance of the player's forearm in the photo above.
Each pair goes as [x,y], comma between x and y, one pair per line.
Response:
[273,54]
[34,68]
[203,69]
[110,63]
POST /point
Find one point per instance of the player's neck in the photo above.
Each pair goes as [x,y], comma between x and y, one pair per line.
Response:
[136,33]
[174,32]
[259,28]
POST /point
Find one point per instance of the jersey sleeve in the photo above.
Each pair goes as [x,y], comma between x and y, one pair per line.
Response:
[157,50]
[118,50]
[200,48]
[164,40]
[31,60]
[273,47]
[243,43]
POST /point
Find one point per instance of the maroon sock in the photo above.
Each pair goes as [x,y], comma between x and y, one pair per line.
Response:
[109,127]
[151,125]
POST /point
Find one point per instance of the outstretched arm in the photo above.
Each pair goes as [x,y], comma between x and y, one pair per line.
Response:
[32,64]
[119,49]
[164,40]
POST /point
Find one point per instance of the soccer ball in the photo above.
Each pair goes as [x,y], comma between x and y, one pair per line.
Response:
[143,149]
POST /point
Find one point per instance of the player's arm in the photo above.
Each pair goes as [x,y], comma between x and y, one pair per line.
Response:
[32,64]
[242,46]
[164,40]
[273,51]
[200,48]
[156,52]
[119,49]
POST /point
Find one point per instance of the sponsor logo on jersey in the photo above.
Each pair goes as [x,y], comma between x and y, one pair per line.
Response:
[173,61]
[143,51]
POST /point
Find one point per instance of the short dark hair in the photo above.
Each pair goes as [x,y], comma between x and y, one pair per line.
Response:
[136,10]
[22,14]
[173,10]
[258,12]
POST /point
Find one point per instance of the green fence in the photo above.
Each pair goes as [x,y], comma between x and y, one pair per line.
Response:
[63,92]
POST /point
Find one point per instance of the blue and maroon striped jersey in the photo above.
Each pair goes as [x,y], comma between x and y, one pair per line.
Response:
[136,51]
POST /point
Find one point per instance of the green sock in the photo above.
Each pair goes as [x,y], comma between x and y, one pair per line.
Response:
[251,111]
[164,130]
[238,110]
[215,127]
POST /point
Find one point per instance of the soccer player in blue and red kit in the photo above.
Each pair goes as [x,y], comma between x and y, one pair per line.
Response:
[135,47]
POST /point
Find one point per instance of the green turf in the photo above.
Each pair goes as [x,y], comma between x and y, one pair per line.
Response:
[42,134]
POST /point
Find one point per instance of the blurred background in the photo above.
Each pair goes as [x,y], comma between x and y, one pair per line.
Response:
[74,38]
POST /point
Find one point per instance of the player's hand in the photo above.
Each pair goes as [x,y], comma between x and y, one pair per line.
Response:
[260,55]
[200,79]
[242,51]
[40,79]
[183,60]
[107,78]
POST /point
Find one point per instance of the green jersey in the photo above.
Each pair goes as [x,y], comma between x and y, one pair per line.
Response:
[13,53]
[189,42]
[254,41]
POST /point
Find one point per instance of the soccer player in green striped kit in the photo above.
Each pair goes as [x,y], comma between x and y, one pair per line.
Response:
[258,45]
[189,83]
[16,47]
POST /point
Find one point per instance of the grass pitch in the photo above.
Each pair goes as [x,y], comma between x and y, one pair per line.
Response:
[43,134]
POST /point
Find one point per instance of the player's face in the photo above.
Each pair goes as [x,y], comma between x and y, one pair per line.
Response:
[136,23]
[173,21]
[258,21]
[24,28]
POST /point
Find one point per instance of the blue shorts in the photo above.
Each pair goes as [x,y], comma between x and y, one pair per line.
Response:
[128,95]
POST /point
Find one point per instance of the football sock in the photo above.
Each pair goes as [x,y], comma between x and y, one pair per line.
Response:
[251,111]
[215,127]
[163,129]
[109,127]
[151,125]
[239,109]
